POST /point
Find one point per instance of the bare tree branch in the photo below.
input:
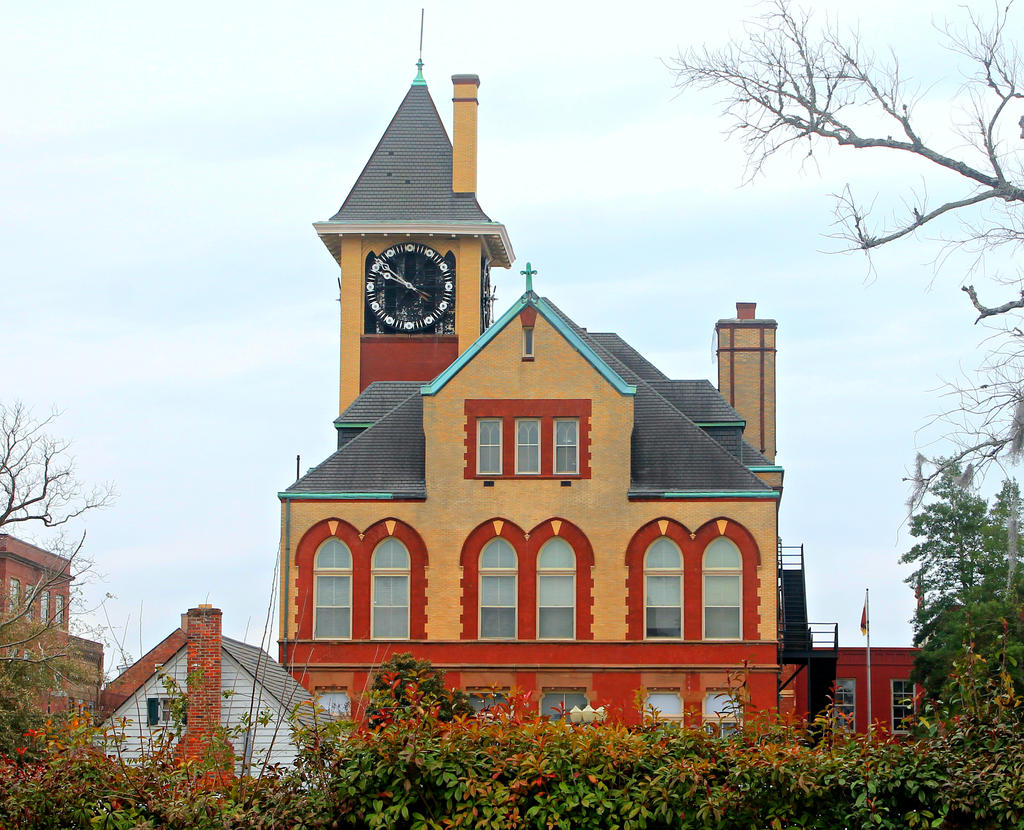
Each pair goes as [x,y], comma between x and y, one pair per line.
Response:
[790,81]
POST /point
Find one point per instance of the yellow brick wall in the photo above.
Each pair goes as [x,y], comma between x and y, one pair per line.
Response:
[598,506]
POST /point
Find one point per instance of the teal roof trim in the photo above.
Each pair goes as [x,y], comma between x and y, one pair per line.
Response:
[721,423]
[574,340]
[725,494]
[766,469]
[336,496]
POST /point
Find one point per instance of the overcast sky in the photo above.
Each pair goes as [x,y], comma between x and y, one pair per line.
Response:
[160,168]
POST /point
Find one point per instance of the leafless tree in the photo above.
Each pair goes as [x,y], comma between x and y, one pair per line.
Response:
[791,83]
[40,488]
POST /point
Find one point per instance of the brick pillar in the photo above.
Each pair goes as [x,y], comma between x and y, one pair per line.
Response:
[746,373]
[204,692]
[464,133]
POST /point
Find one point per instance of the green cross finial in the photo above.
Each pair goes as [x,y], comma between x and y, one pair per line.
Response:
[528,273]
[418,80]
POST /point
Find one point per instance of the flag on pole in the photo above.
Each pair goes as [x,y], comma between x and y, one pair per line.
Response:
[864,618]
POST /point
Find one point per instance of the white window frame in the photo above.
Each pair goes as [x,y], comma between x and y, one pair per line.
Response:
[649,571]
[733,572]
[672,716]
[376,571]
[563,692]
[543,572]
[325,702]
[479,445]
[512,573]
[528,341]
[722,720]
[844,703]
[575,445]
[519,469]
[58,614]
[340,572]
[44,607]
[894,702]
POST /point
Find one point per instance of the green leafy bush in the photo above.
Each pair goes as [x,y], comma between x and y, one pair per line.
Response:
[514,769]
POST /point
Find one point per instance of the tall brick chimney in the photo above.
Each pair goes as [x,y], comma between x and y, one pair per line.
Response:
[464,133]
[746,373]
[203,627]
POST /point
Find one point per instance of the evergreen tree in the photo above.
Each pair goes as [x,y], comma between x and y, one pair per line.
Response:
[968,599]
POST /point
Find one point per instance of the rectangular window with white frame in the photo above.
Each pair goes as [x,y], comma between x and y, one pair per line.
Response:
[664,705]
[528,446]
[488,453]
[902,705]
[567,446]
[844,703]
[58,616]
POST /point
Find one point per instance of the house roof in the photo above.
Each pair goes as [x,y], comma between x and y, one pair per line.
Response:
[698,400]
[376,401]
[385,461]
[271,675]
[264,670]
[409,174]
[671,454]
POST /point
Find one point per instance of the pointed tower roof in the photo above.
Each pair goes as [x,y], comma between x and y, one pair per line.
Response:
[406,186]
[409,176]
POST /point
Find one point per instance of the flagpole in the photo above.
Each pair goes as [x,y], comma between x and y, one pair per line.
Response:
[867,625]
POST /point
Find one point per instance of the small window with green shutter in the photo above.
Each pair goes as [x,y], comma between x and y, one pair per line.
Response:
[158,711]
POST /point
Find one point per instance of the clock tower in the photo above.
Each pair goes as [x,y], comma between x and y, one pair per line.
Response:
[414,246]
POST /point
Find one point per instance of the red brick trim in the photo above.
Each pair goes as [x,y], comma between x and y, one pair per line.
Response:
[751,557]
[547,411]
[693,574]
[418,562]
[304,561]
[635,552]
[361,547]
[469,559]
[584,572]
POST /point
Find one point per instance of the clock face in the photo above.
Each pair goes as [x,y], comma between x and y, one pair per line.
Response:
[410,288]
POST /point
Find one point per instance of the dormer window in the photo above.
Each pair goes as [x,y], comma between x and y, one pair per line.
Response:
[527,342]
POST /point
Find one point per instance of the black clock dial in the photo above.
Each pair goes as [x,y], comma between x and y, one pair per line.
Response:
[410,288]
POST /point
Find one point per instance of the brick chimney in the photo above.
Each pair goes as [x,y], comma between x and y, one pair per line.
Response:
[746,373]
[464,133]
[203,627]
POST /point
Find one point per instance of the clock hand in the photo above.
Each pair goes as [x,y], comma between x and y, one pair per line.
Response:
[388,274]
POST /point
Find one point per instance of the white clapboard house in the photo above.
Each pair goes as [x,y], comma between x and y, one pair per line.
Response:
[235,685]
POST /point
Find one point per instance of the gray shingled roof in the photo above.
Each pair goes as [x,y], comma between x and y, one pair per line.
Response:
[753,458]
[409,174]
[271,675]
[698,400]
[629,356]
[388,457]
[670,453]
[377,400]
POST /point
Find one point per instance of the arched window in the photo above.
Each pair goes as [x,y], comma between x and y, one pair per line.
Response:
[663,589]
[498,590]
[722,590]
[333,576]
[556,591]
[390,590]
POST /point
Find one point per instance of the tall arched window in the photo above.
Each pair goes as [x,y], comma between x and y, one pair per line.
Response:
[723,577]
[663,589]
[333,575]
[390,590]
[556,591]
[498,590]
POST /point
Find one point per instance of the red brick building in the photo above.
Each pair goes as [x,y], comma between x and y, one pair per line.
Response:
[528,504]
[35,597]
